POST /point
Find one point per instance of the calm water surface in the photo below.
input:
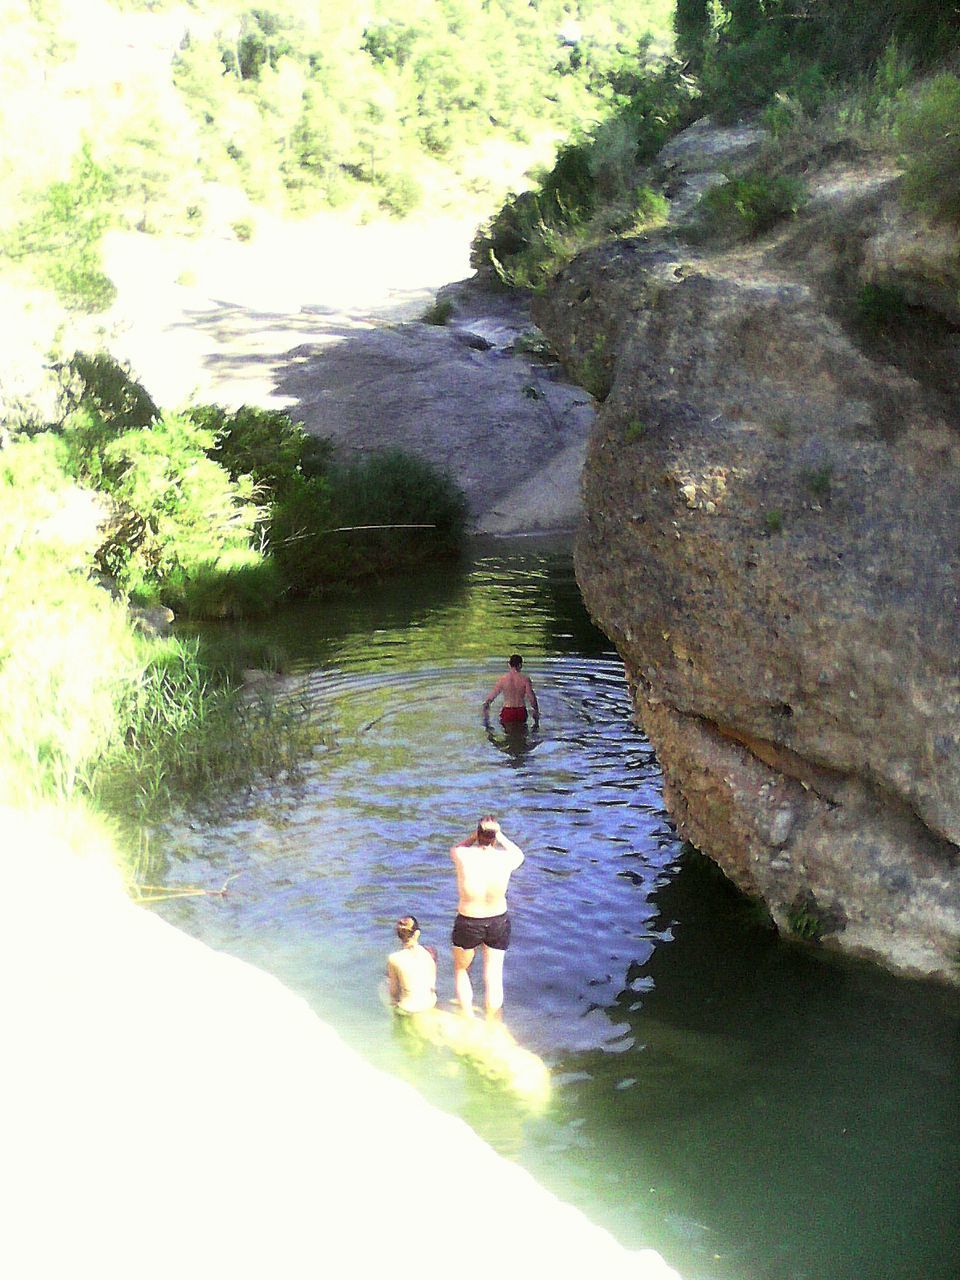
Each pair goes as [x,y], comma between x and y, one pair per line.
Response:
[752,1110]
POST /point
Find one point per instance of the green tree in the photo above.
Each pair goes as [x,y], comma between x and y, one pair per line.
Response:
[63,234]
[692,25]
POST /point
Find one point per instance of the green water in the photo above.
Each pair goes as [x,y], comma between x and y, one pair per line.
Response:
[752,1109]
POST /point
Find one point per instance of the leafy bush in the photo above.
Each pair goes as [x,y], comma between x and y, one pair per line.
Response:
[751,204]
[320,532]
[88,706]
[592,189]
[568,192]
[754,48]
[635,213]
[190,497]
[548,248]
[400,193]
[64,645]
[109,389]
[262,444]
[174,509]
[593,371]
[877,306]
[509,232]
[927,130]
[438,313]
[300,521]
[691,23]
[239,583]
[818,480]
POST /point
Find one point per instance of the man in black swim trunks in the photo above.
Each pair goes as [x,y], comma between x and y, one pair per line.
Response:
[484,863]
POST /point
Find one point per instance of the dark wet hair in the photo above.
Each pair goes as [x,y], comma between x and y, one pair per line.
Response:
[484,834]
[516,661]
[406,927]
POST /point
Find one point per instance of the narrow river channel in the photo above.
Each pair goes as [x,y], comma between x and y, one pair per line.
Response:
[751,1109]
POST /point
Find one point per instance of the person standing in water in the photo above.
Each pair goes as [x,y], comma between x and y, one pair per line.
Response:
[516,691]
[412,971]
[484,863]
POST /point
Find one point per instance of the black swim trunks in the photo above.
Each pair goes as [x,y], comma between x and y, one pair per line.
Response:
[470,931]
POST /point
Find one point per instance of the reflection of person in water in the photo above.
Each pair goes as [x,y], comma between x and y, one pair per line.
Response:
[412,971]
[516,742]
[516,691]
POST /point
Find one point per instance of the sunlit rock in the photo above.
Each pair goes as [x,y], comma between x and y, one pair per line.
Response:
[771,539]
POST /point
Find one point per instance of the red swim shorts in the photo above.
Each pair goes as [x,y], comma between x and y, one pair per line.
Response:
[513,715]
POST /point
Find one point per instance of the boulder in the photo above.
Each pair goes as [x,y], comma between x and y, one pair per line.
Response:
[772,540]
[155,621]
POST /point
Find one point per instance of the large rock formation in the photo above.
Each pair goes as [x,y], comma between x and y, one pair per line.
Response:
[772,540]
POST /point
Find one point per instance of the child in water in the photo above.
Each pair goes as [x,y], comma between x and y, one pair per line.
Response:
[489,1046]
[412,971]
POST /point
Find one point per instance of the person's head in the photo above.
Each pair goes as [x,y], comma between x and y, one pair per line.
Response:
[487,829]
[516,661]
[407,929]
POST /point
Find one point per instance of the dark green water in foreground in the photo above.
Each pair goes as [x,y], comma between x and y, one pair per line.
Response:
[751,1109]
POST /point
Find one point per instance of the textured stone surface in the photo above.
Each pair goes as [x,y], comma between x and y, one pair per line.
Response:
[772,540]
[320,319]
[703,157]
[506,428]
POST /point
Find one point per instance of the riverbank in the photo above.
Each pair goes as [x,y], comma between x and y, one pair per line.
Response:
[322,319]
[176,1111]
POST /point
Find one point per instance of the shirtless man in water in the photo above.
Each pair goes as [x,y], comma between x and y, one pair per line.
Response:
[517,691]
[484,862]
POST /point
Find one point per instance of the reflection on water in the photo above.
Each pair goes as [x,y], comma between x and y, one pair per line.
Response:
[750,1109]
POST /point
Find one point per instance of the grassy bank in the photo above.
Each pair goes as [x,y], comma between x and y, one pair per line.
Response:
[875,80]
[116,503]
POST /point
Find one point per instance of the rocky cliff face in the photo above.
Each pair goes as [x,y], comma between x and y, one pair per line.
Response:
[772,540]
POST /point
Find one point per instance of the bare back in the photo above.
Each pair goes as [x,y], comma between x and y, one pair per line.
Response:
[412,977]
[483,873]
[515,688]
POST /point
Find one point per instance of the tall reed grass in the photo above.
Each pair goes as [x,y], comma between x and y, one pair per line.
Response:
[187,731]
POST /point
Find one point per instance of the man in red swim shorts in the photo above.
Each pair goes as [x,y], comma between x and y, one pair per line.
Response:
[516,691]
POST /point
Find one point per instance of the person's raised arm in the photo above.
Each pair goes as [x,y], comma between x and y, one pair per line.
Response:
[507,844]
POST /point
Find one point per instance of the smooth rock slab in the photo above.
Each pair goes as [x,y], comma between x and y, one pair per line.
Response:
[172,1111]
[510,434]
